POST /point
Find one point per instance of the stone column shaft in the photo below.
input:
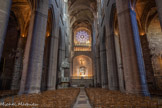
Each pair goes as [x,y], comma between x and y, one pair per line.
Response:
[119,64]
[94,71]
[111,63]
[26,54]
[130,66]
[35,63]
[139,54]
[18,64]
[45,64]
[103,64]
[95,33]
[61,56]
[71,68]
[159,9]
[5,6]
[98,71]
[52,73]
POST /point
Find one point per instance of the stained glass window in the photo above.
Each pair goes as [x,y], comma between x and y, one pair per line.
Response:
[82,37]
[82,40]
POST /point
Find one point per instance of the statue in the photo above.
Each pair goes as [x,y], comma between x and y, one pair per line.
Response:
[82,71]
[65,63]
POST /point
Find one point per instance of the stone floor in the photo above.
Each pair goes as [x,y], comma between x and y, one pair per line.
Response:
[82,100]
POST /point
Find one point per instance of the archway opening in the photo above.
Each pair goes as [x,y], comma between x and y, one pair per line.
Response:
[82,67]
[154,37]
[82,74]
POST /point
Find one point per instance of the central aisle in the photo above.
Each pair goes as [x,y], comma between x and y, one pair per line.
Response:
[82,100]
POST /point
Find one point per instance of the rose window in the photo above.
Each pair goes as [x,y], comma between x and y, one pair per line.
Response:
[82,36]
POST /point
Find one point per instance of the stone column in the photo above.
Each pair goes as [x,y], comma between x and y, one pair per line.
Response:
[111,62]
[62,57]
[67,55]
[119,63]
[159,9]
[35,62]
[18,64]
[5,6]
[52,73]
[139,53]
[130,65]
[71,67]
[103,64]
[95,33]
[63,49]
[94,70]
[94,74]
[35,57]
[45,64]
[98,67]
[26,54]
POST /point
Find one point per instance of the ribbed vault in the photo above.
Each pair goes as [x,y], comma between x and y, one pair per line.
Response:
[82,13]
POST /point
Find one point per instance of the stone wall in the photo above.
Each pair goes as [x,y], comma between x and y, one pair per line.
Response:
[154,36]
[148,62]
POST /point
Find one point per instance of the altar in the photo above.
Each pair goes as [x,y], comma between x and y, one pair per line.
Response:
[82,74]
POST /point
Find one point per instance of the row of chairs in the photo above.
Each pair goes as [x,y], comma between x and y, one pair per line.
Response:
[103,98]
[62,98]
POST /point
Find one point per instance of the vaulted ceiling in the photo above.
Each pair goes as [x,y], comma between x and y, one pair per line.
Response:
[82,13]
[145,10]
[22,11]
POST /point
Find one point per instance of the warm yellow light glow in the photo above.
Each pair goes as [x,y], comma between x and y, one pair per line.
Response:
[81,61]
[132,8]
[82,67]
[80,77]
[83,75]
[82,48]
[48,34]
[22,35]
[160,62]
[116,33]
[88,42]
[142,33]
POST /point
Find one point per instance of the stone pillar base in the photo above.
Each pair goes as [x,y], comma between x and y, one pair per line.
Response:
[114,88]
[104,86]
[51,88]
[33,90]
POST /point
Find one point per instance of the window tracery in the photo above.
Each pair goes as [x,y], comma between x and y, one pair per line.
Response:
[82,40]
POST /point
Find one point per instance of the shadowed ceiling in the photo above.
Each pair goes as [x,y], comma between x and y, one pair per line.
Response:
[145,10]
[82,13]
[22,11]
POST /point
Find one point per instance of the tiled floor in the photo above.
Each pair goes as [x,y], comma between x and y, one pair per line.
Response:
[82,100]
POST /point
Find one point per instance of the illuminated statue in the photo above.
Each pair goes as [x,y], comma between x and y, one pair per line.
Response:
[82,71]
